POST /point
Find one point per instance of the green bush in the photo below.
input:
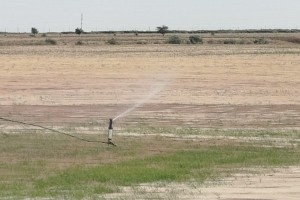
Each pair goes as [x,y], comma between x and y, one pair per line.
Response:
[34,31]
[195,39]
[79,31]
[260,41]
[174,40]
[162,29]
[230,41]
[51,41]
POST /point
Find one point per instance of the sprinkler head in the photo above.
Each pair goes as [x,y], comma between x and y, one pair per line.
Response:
[110,124]
[110,132]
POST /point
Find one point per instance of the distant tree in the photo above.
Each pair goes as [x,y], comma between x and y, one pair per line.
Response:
[34,31]
[162,29]
[79,31]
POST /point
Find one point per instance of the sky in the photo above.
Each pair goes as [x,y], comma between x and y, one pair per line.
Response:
[118,15]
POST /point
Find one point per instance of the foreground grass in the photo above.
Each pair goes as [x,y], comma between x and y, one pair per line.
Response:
[53,166]
[181,166]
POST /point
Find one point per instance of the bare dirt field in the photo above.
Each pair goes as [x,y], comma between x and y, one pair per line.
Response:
[255,87]
[233,87]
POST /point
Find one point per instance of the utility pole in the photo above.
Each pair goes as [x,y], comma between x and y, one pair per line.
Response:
[81,20]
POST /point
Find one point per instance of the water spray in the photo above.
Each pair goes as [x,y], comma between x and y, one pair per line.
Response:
[155,91]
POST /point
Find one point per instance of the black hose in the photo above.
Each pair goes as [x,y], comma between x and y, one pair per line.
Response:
[56,131]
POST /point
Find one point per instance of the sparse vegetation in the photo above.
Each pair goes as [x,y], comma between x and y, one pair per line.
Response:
[195,39]
[51,41]
[230,41]
[162,29]
[174,40]
[112,41]
[261,41]
[80,178]
[130,37]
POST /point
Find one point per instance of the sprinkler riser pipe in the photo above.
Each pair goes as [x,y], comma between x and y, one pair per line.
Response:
[110,134]
[110,130]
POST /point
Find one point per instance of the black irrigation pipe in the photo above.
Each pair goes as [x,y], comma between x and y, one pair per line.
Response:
[56,131]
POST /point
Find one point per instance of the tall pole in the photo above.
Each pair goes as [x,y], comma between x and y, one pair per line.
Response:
[81,20]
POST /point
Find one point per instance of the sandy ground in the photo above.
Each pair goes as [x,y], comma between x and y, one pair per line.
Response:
[276,184]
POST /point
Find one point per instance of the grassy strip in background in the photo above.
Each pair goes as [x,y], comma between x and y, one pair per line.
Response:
[146,129]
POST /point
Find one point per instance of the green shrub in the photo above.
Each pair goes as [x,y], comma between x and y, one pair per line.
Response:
[260,41]
[44,35]
[79,31]
[195,39]
[51,41]
[34,31]
[174,40]
[230,41]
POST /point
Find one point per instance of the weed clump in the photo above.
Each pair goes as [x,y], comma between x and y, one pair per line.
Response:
[195,39]
[112,41]
[174,40]
[261,41]
[51,41]
[230,41]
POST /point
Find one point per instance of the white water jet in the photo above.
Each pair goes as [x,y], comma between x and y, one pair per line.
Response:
[157,89]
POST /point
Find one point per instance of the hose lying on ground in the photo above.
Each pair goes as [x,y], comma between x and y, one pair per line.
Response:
[56,131]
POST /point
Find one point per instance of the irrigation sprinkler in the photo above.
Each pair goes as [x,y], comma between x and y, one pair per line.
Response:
[110,132]
[60,132]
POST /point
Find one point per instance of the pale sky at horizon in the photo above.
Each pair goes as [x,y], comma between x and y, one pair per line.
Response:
[64,15]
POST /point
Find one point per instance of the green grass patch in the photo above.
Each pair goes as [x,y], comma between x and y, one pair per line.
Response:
[177,167]
[146,129]
[51,165]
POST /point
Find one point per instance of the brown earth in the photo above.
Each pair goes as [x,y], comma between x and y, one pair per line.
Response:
[216,86]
